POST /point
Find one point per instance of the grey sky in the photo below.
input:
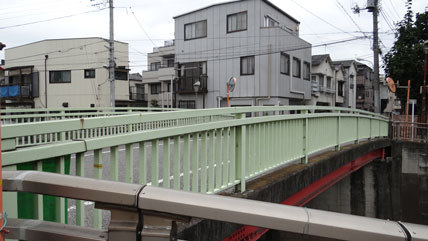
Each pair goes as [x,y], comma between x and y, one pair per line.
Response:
[155,17]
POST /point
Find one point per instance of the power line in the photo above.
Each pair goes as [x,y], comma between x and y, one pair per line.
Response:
[51,19]
[350,17]
[320,18]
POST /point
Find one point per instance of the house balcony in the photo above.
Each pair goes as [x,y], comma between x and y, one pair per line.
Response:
[186,85]
[16,91]
[157,75]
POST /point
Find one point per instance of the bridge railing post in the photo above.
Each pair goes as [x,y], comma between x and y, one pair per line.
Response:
[240,153]
[338,131]
[305,138]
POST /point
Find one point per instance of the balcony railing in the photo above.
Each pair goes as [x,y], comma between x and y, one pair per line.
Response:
[315,86]
[16,91]
[187,85]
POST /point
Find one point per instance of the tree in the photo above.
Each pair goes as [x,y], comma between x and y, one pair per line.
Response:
[405,59]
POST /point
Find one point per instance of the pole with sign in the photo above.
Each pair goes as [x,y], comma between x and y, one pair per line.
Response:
[230,86]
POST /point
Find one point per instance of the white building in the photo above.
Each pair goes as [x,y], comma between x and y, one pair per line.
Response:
[252,40]
[157,79]
[350,77]
[323,81]
[64,73]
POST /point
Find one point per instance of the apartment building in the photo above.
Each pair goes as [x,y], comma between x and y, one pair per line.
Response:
[64,73]
[157,79]
[252,40]
[350,85]
[365,98]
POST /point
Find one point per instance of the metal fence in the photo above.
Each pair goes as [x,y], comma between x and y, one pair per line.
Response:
[204,151]
[17,116]
[408,131]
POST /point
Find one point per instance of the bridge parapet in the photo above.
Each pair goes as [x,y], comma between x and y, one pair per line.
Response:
[202,154]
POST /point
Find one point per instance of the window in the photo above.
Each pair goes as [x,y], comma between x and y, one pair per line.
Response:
[120,75]
[306,70]
[237,22]
[192,73]
[170,63]
[155,66]
[155,88]
[247,65]
[270,22]
[321,80]
[63,76]
[314,78]
[328,82]
[195,30]
[187,104]
[340,88]
[296,67]
[89,73]
[285,64]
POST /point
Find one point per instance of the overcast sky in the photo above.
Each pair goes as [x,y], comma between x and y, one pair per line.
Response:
[145,24]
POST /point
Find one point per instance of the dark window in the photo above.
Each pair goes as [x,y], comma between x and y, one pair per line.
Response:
[63,76]
[155,66]
[247,65]
[195,30]
[340,88]
[170,63]
[155,88]
[237,22]
[285,64]
[296,67]
[89,73]
[306,70]
[187,104]
[121,75]
[192,73]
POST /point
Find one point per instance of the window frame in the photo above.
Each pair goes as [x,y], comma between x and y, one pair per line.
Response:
[155,66]
[267,17]
[253,65]
[120,71]
[280,63]
[206,30]
[180,102]
[237,14]
[308,65]
[89,71]
[300,68]
[57,71]
[153,85]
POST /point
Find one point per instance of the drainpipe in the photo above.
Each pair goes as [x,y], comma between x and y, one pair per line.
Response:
[46,81]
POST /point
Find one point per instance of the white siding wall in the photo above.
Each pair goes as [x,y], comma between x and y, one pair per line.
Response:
[75,55]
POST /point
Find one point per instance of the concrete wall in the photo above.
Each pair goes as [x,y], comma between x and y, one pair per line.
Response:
[75,55]
[223,50]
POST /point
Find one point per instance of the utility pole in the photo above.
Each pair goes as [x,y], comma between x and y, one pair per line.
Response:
[376,87]
[111,60]
[373,6]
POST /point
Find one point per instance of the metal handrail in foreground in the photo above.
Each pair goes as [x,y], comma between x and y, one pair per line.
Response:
[160,207]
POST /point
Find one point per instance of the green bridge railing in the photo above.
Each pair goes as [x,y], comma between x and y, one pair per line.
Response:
[205,151]
[16,116]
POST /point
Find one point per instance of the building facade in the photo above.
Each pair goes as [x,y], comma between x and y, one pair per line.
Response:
[137,94]
[64,73]
[350,85]
[365,98]
[252,40]
[157,79]
[323,81]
